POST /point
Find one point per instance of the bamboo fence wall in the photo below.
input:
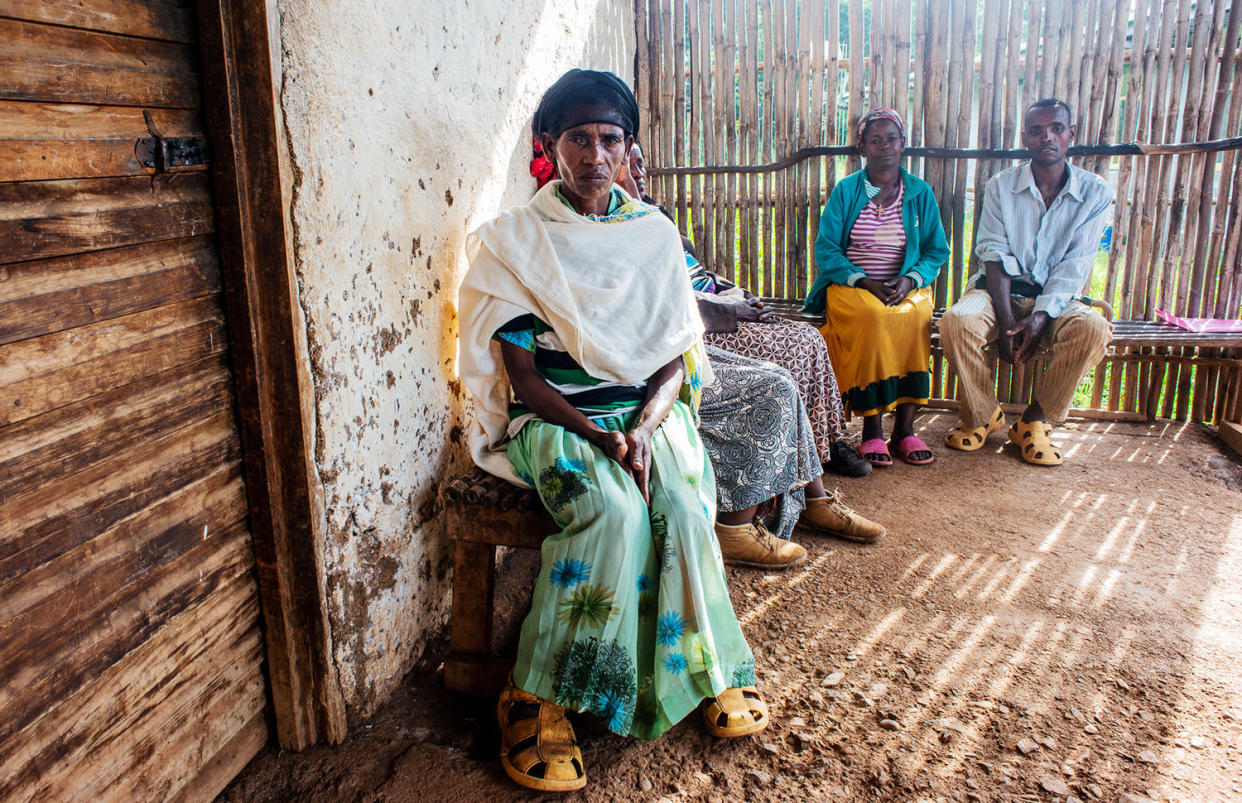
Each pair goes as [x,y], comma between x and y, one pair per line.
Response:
[748,82]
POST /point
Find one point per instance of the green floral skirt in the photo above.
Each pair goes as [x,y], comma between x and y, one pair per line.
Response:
[631,618]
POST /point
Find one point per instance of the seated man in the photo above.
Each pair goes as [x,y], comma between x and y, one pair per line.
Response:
[1038,234]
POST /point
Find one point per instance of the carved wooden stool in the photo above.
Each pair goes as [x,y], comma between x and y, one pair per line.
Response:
[483,512]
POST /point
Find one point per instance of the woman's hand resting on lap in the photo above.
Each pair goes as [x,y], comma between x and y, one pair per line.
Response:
[891,292]
[632,451]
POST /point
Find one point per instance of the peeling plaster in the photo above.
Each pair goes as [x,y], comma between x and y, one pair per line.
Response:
[407,127]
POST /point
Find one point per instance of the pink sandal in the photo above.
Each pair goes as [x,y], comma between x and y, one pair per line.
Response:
[875,446]
[908,446]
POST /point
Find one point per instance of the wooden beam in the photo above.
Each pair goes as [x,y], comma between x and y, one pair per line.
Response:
[1231,434]
[270,365]
[1012,154]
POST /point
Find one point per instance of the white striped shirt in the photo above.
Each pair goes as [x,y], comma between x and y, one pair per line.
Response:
[1053,246]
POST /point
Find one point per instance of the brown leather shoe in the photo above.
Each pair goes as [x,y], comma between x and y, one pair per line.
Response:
[753,545]
[828,515]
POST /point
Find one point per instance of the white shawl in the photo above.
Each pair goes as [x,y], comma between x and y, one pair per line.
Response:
[617,294]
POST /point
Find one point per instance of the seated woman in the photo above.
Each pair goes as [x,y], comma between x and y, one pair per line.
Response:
[737,323]
[763,447]
[577,303]
[880,247]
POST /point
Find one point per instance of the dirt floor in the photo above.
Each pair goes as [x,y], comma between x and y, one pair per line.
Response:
[1021,634]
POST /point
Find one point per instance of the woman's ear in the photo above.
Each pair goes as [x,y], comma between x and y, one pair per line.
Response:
[548,143]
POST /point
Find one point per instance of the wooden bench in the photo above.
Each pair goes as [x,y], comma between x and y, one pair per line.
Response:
[1133,341]
[483,512]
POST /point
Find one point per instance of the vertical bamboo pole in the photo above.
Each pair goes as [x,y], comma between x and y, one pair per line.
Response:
[948,189]
[935,67]
[1073,40]
[1153,212]
[833,90]
[1108,114]
[1168,269]
[901,59]
[1063,48]
[804,81]
[1201,183]
[642,69]
[1233,253]
[1125,217]
[1211,119]
[1082,101]
[652,111]
[818,119]
[695,145]
[858,79]
[1177,272]
[876,65]
[965,106]
[707,122]
[766,130]
[668,105]
[1129,124]
[780,146]
[714,81]
[1140,91]
[1176,387]
[1092,115]
[678,76]
[988,59]
[1013,70]
[794,174]
[888,55]
[918,67]
[731,118]
[1228,196]
[1049,51]
[1030,70]
[754,184]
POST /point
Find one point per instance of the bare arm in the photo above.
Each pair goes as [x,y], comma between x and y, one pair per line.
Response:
[533,390]
[662,390]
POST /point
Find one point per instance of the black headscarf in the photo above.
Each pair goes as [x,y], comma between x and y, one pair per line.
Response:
[586,96]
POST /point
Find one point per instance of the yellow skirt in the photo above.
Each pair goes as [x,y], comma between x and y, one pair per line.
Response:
[880,354]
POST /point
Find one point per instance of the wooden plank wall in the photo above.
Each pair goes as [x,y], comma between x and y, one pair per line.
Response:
[130,634]
[960,72]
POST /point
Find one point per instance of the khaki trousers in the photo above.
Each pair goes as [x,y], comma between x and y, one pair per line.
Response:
[1077,337]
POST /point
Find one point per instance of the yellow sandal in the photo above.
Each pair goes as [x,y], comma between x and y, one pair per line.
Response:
[1031,438]
[736,712]
[538,749]
[968,439]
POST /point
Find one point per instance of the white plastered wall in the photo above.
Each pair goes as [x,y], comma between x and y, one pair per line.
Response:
[407,127]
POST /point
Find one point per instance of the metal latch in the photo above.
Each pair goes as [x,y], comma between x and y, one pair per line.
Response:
[164,153]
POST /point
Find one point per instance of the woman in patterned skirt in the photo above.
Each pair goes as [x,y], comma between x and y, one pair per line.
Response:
[582,349]
[737,323]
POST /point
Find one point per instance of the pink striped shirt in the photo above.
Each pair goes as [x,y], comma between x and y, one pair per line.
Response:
[878,241]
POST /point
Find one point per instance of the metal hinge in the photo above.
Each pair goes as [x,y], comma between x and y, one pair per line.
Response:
[164,153]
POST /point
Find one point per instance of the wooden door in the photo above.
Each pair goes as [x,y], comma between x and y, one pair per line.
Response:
[130,648]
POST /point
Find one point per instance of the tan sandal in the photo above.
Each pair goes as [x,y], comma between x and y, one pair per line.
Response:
[736,712]
[1031,438]
[538,749]
[968,439]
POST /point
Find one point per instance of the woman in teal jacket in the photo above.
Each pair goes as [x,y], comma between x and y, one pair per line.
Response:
[879,249]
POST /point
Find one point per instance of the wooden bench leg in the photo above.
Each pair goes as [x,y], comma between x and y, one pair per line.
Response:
[470,666]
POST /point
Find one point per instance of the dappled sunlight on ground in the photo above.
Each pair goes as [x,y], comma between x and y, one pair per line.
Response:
[1021,634]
